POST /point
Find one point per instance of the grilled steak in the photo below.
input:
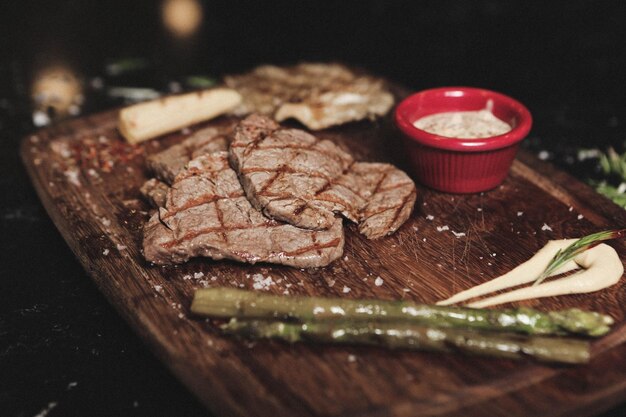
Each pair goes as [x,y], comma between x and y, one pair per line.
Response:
[207,214]
[166,164]
[155,192]
[294,177]
[318,95]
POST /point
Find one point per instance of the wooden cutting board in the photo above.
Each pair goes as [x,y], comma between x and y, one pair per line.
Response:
[97,208]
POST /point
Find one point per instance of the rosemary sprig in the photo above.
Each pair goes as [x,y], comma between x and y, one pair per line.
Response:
[576,248]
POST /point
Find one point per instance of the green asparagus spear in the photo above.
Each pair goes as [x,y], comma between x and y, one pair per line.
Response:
[227,303]
[415,337]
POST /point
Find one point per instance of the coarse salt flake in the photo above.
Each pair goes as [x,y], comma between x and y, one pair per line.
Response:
[430,217]
[546,227]
[198,275]
[458,234]
[580,217]
[345,289]
[72,176]
[105,252]
[378,281]
[261,282]
[442,228]
[520,213]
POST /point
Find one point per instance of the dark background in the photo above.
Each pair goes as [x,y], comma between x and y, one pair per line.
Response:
[60,341]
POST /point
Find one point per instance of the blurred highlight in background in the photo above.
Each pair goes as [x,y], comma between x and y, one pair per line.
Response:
[182,18]
[56,91]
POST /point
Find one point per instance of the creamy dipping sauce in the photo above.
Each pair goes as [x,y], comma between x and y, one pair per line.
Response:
[463,124]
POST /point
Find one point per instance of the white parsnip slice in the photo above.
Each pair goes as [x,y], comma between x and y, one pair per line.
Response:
[154,118]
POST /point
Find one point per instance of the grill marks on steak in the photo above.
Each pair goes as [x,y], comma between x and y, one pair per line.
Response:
[207,214]
[390,197]
[294,177]
[167,164]
[318,95]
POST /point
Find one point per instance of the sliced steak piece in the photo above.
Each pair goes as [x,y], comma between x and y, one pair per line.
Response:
[166,164]
[389,194]
[318,95]
[155,192]
[284,170]
[207,214]
[294,177]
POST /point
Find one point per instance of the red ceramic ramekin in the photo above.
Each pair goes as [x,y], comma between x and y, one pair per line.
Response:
[456,165]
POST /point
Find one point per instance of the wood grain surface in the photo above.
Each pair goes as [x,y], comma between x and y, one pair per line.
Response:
[98,210]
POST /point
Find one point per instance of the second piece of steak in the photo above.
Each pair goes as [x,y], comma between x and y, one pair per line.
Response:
[292,176]
[166,164]
[207,214]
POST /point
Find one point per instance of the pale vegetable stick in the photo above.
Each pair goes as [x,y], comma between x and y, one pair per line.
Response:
[522,274]
[154,118]
[603,268]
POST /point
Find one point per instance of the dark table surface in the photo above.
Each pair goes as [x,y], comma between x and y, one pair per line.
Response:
[63,350]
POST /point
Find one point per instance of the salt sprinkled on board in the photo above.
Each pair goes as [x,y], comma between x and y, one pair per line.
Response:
[580,217]
[345,258]
[430,217]
[187,277]
[121,247]
[72,176]
[214,278]
[570,208]
[71,385]
[458,234]
[479,209]
[351,358]
[105,222]
[345,289]
[442,228]
[546,227]
[378,281]
[158,288]
[105,252]
[261,283]
[520,213]
[198,275]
